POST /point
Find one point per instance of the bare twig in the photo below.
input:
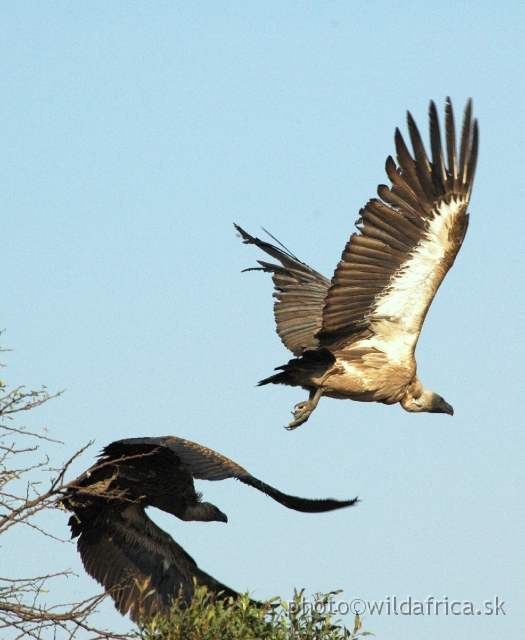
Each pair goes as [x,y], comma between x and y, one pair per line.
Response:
[29,485]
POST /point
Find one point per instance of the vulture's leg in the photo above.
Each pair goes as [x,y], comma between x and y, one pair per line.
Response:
[304,410]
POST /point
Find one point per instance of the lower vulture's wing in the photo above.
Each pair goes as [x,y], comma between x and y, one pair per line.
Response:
[138,564]
[206,464]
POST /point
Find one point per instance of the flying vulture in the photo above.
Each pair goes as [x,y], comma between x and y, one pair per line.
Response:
[355,336]
[138,563]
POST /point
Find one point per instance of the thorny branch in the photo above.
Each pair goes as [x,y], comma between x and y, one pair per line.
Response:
[20,610]
[29,484]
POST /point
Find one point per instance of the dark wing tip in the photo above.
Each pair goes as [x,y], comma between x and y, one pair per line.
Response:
[473,159]
[304,505]
[246,237]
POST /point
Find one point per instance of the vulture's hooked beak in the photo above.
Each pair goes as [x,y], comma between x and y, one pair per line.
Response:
[447,408]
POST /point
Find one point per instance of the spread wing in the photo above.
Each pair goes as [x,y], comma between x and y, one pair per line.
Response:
[408,239]
[206,464]
[300,293]
[139,564]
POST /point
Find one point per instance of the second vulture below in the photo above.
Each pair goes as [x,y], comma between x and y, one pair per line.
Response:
[355,336]
[138,563]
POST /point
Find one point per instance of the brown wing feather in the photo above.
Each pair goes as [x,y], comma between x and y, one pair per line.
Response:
[424,211]
[300,293]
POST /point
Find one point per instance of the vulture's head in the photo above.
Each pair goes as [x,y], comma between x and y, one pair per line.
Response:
[203,512]
[426,401]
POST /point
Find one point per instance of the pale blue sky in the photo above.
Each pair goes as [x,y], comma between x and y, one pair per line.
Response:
[132,136]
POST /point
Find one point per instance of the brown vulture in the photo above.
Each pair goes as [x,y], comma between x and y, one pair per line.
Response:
[139,564]
[355,336]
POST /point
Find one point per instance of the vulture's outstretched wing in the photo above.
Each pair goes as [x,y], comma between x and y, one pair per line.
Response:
[391,269]
[300,293]
[407,240]
[206,464]
[140,565]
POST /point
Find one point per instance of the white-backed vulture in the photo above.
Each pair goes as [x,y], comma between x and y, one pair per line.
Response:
[355,336]
[139,564]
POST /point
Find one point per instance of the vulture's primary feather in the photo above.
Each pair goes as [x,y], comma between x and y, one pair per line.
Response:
[139,564]
[355,336]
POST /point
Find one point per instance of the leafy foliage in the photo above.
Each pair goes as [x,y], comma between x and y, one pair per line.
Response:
[242,619]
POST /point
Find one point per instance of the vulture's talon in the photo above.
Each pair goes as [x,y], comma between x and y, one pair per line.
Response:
[302,412]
